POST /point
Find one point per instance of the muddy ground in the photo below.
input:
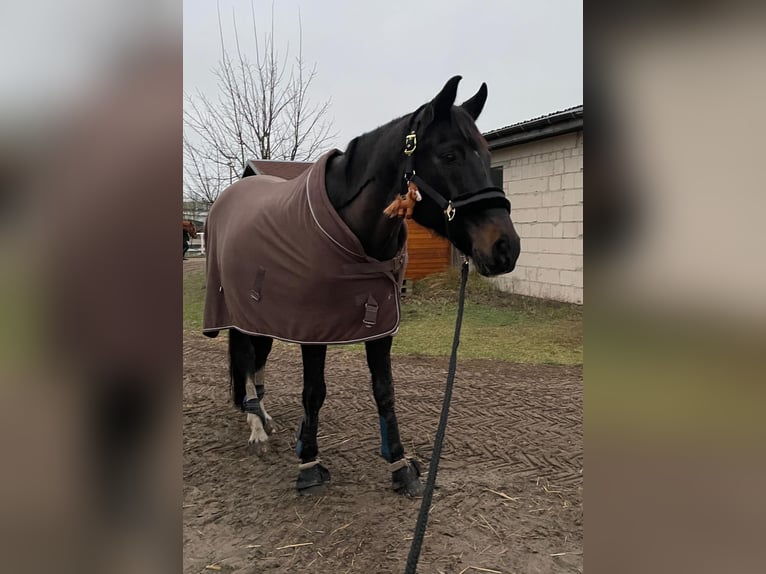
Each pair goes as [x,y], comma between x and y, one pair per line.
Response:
[510,481]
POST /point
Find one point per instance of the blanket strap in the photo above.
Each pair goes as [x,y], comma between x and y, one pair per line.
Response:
[370,312]
[388,266]
[255,292]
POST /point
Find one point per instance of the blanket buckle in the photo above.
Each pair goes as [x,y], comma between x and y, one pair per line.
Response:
[370,312]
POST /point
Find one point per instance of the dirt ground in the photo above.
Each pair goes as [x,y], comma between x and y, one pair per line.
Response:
[509,488]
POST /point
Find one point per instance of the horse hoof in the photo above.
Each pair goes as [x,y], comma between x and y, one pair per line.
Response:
[269,427]
[406,481]
[312,481]
[413,489]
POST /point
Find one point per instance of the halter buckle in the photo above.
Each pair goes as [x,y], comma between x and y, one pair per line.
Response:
[450,211]
[410,143]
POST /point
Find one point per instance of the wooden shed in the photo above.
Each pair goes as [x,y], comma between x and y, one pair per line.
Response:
[428,253]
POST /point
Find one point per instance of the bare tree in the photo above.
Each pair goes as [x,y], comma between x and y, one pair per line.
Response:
[203,179]
[262,111]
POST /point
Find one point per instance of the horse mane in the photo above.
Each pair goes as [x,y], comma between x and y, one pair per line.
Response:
[364,153]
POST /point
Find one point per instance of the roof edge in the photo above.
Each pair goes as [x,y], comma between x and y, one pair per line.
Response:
[250,169]
[252,165]
[557,123]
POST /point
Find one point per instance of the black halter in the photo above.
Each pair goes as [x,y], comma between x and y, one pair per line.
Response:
[489,196]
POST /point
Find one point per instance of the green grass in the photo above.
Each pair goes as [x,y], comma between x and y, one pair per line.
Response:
[496,325]
[194,299]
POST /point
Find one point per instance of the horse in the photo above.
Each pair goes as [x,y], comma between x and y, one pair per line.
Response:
[190,228]
[431,165]
[189,232]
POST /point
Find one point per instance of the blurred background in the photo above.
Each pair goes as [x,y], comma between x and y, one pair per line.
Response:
[90,349]
[675,287]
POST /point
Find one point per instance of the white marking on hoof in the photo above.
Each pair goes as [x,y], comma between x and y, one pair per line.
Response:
[269,427]
[258,436]
[259,379]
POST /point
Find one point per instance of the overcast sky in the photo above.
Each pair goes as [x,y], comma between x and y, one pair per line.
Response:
[380,60]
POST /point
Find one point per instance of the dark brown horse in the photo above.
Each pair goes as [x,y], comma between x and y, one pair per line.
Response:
[189,232]
[190,228]
[432,164]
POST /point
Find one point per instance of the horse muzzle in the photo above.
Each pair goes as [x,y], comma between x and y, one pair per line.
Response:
[500,259]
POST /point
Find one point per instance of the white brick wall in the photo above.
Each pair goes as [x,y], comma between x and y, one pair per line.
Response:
[543,180]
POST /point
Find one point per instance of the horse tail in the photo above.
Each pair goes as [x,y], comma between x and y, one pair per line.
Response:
[241,364]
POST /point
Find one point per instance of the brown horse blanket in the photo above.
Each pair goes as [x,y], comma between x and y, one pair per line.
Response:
[282,263]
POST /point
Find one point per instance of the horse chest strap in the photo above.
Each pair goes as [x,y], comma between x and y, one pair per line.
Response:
[370,312]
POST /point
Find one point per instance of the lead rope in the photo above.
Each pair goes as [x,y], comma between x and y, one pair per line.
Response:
[420,527]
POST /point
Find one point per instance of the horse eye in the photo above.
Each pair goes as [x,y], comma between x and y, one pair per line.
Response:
[449,157]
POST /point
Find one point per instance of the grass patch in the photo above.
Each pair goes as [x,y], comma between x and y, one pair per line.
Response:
[496,325]
[194,299]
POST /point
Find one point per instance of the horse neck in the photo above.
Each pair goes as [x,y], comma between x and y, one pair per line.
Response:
[369,172]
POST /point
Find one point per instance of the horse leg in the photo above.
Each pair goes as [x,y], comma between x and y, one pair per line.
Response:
[312,475]
[242,366]
[404,472]
[257,387]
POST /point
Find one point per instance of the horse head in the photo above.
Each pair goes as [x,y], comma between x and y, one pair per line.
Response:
[191,228]
[449,161]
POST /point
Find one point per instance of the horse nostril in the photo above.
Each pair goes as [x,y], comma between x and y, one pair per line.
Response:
[501,243]
[505,252]
[500,251]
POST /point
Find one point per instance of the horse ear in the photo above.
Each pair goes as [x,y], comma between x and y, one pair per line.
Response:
[444,99]
[475,104]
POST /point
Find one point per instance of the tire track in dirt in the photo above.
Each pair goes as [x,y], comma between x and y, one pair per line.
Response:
[509,486]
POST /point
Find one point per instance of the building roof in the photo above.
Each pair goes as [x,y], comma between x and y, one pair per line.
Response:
[553,124]
[283,169]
